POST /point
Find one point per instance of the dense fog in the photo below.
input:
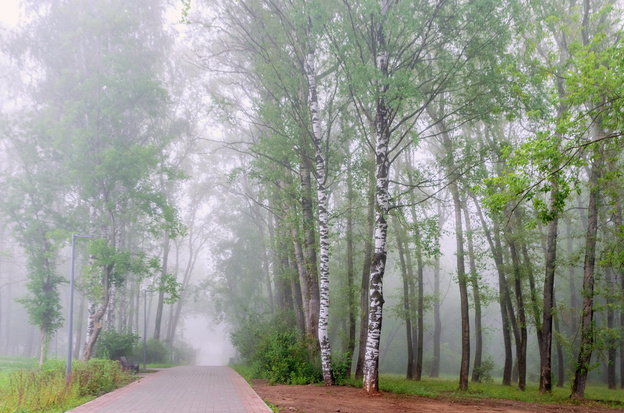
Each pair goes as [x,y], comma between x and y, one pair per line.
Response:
[420,188]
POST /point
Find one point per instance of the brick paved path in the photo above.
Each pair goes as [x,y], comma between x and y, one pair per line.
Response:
[182,389]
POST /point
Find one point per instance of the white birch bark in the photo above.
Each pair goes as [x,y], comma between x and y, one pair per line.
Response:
[323,224]
[378,265]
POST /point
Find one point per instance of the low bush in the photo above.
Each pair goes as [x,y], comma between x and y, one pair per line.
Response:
[276,352]
[45,388]
[156,352]
[112,344]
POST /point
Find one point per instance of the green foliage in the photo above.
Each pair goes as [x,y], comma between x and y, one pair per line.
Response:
[485,370]
[340,365]
[112,344]
[275,352]
[45,388]
[155,352]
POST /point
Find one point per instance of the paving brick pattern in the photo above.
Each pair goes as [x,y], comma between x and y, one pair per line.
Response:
[181,389]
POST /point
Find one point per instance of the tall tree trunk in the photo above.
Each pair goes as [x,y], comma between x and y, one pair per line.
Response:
[498,260]
[323,218]
[463,290]
[437,322]
[350,345]
[617,220]
[587,314]
[309,239]
[161,290]
[378,265]
[474,280]
[611,342]
[420,302]
[521,345]
[560,361]
[81,310]
[406,297]
[297,297]
[366,267]
[545,345]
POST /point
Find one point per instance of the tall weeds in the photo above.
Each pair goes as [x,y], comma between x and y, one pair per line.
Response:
[46,388]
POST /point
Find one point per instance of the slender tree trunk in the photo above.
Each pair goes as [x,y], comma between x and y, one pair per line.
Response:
[617,220]
[463,290]
[437,322]
[498,260]
[474,280]
[560,361]
[587,314]
[611,342]
[406,298]
[571,279]
[80,321]
[323,219]
[378,265]
[521,345]
[366,267]
[310,252]
[297,297]
[161,292]
[350,345]
[545,345]
[420,302]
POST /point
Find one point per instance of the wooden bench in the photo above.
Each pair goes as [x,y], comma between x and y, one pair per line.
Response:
[127,366]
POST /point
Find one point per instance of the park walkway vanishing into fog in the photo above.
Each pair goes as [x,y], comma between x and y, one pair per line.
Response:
[182,389]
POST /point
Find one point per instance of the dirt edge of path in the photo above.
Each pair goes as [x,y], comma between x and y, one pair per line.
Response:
[319,399]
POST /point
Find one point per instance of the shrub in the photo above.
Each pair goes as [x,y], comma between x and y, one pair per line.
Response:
[113,344]
[276,352]
[340,364]
[155,351]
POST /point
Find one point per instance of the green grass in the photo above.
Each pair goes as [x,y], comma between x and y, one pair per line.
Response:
[16,363]
[44,389]
[157,365]
[447,388]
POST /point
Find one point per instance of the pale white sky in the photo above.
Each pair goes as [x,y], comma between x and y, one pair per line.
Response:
[9,12]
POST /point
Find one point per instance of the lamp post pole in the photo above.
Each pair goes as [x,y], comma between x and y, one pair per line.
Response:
[71,305]
[144,327]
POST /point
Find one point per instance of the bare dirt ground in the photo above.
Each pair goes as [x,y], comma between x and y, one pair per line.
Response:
[318,399]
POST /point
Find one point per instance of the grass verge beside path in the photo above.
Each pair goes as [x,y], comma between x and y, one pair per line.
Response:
[446,388]
[45,389]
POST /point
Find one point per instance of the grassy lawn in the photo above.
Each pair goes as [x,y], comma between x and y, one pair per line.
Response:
[447,388]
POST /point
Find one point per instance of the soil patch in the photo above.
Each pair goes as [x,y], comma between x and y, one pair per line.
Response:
[319,399]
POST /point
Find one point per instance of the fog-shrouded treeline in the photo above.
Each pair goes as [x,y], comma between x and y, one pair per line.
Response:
[425,187]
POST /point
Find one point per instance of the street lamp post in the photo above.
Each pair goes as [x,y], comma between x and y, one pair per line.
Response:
[144,328]
[71,305]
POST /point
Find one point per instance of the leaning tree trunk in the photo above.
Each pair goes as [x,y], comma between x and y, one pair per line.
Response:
[323,221]
[587,313]
[96,318]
